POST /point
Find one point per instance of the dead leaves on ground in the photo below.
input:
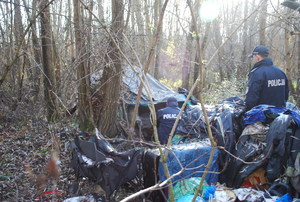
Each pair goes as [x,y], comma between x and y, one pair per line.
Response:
[31,163]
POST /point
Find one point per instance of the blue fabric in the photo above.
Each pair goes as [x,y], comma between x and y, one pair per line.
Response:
[285,198]
[295,116]
[259,112]
[192,155]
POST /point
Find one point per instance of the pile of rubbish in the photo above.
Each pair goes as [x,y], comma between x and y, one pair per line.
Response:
[257,158]
[185,190]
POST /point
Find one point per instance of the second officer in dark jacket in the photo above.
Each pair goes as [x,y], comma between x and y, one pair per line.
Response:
[267,84]
[166,118]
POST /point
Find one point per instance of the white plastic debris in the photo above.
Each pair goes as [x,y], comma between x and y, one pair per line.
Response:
[248,194]
[88,161]
[225,195]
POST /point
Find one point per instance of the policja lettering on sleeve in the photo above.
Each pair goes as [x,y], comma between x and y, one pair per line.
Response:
[276,82]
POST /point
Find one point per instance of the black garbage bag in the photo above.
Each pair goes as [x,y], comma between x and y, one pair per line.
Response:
[192,123]
[100,162]
[270,153]
[236,106]
[185,92]
[279,189]
[225,137]
[293,165]
[277,141]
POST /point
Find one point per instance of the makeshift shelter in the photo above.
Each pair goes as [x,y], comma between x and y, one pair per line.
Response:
[159,92]
[129,89]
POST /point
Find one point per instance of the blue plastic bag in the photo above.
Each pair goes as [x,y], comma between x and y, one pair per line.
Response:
[285,198]
[209,192]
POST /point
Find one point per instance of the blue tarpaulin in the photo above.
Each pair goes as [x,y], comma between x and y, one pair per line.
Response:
[194,157]
[259,113]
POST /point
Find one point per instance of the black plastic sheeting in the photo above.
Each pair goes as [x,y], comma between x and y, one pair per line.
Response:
[225,118]
[272,155]
[279,145]
[226,123]
[100,162]
[294,161]
[150,174]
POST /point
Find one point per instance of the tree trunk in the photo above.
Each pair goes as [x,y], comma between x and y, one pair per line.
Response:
[252,29]
[49,79]
[36,48]
[141,29]
[55,40]
[200,57]
[288,61]
[191,67]
[111,78]
[57,67]
[187,57]
[84,104]
[218,42]
[70,34]
[298,69]
[127,19]
[263,23]
[88,36]
[148,34]
[20,64]
[100,10]
[156,73]
[243,68]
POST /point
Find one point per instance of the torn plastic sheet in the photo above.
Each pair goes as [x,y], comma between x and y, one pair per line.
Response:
[97,160]
[247,194]
[89,162]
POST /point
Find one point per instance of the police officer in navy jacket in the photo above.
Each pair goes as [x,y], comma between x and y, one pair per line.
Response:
[166,118]
[267,84]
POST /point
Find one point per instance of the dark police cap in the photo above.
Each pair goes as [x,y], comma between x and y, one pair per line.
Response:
[171,99]
[259,50]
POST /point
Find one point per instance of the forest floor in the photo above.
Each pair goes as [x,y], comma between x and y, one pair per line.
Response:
[35,159]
